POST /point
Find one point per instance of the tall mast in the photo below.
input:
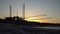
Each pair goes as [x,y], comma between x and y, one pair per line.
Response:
[23,12]
[17,12]
[10,11]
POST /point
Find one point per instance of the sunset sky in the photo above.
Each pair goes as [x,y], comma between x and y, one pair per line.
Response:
[32,8]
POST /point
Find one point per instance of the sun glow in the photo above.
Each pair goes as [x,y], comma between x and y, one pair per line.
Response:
[31,19]
[34,19]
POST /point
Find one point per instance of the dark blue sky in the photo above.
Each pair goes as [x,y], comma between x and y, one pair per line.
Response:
[33,7]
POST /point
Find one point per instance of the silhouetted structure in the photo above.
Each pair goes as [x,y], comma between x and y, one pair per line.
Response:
[23,12]
[17,25]
[10,10]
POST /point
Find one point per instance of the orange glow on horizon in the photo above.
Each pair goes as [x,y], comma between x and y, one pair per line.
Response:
[34,19]
[43,20]
[30,19]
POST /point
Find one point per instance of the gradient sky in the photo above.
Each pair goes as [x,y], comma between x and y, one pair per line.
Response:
[33,7]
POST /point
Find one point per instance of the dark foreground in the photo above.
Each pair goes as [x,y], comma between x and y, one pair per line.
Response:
[45,31]
[17,25]
[24,29]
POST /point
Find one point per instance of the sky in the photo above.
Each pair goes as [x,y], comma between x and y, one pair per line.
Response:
[32,8]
